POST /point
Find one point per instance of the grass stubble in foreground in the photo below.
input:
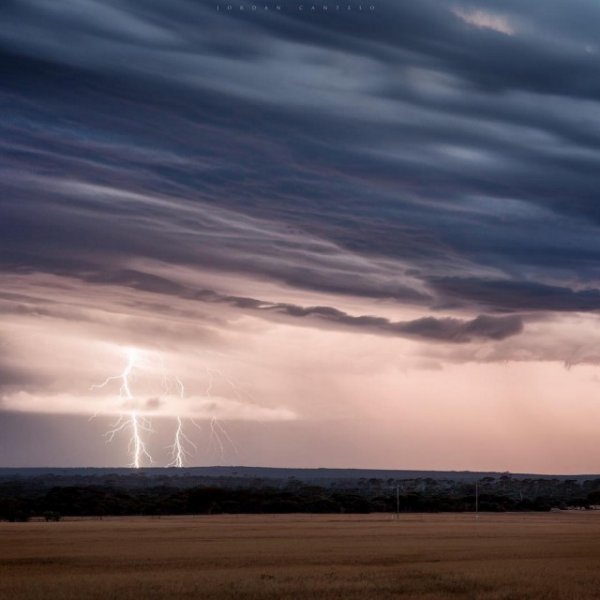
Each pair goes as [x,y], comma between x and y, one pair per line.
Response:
[500,556]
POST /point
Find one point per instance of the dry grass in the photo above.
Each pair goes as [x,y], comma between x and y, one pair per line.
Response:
[500,557]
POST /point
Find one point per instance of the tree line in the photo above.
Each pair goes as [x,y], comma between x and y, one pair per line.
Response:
[92,500]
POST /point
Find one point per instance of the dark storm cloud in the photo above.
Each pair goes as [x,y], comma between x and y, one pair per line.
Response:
[434,153]
[428,328]
[518,295]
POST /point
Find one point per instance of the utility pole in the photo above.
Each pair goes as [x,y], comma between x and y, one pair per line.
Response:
[397,501]
[476,500]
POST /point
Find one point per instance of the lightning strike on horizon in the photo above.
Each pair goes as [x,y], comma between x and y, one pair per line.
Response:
[218,433]
[132,421]
[179,452]
[179,449]
[136,424]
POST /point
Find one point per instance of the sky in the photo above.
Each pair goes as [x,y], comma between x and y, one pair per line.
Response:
[342,238]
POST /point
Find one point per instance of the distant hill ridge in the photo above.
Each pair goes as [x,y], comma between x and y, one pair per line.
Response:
[308,475]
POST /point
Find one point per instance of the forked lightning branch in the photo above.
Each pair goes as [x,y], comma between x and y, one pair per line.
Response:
[134,421]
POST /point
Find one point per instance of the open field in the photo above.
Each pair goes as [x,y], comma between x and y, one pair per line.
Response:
[501,556]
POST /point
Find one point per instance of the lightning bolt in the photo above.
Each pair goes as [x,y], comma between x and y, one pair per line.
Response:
[180,448]
[218,434]
[132,421]
[136,424]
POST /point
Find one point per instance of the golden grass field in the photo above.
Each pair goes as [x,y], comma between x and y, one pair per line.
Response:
[504,556]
